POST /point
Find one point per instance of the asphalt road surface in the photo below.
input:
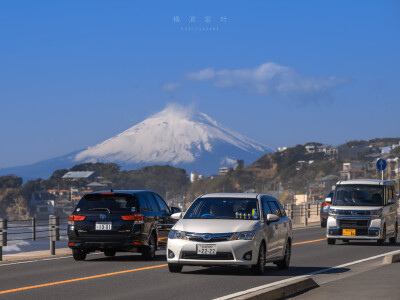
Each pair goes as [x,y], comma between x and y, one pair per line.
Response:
[127,276]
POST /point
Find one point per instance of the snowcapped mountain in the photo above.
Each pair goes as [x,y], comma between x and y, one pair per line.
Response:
[176,136]
[173,136]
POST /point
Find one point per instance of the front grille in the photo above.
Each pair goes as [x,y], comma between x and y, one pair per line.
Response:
[218,256]
[350,224]
[361,226]
[209,237]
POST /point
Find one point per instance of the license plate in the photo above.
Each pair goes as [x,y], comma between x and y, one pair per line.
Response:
[207,249]
[349,232]
[103,226]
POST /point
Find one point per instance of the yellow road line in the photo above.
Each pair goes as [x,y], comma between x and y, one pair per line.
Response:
[79,279]
[110,274]
[309,242]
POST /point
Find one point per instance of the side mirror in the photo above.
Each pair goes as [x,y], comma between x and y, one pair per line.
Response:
[175,210]
[328,199]
[391,201]
[272,218]
[176,216]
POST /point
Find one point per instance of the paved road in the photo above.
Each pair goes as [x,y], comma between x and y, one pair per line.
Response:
[129,277]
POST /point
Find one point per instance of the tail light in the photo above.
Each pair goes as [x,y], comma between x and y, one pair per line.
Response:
[138,218]
[74,217]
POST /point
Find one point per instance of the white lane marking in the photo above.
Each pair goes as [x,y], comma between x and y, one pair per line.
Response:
[302,276]
[39,260]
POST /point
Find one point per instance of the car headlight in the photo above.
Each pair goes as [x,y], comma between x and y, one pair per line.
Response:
[245,235]
[176,234]
[333,212]
[375,214]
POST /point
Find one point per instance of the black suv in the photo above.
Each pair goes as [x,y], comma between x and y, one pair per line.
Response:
[119,221]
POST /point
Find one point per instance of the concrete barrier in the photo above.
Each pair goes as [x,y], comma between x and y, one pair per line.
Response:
[280,291]
[391,258]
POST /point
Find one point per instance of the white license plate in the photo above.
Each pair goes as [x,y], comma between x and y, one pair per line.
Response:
[207,249]
[103,226]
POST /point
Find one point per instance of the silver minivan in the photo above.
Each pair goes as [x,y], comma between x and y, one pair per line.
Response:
[364,209]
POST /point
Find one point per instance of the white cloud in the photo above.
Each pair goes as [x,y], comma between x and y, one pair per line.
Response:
[268,79]
[171,86]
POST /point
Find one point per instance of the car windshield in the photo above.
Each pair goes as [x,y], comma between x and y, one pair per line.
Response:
[224,208]
[99,202]
[358,195]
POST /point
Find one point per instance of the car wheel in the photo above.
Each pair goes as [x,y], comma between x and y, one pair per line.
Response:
[331,241]
[393,240]
[78,254]
[149,252]
[109,252]
[259,267]
[284,263]
[381,241]
[175,268]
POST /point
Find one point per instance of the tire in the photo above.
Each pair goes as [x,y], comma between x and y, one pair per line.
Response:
[109,253]
[331,241]
[149,252]
[381,241]
[78,254]
[175,268]
[284,263]
[393,240]
[259,267]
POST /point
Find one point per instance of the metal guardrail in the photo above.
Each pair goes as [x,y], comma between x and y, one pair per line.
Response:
[9,231]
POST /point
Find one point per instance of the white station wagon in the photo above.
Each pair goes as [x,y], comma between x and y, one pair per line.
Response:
[231,229]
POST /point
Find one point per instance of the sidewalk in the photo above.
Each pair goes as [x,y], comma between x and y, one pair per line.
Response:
[365,281]
[33,255]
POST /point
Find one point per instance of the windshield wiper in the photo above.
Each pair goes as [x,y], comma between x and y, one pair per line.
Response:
[101,209]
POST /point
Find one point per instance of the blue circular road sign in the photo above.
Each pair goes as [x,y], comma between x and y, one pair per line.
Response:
[381,164]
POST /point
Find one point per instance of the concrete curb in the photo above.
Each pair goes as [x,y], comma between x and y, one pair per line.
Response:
[281,291]
[391,258]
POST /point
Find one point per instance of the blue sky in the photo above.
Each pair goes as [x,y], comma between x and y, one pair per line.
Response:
[74,73]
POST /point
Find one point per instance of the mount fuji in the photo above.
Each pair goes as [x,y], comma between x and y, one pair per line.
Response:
[176,136]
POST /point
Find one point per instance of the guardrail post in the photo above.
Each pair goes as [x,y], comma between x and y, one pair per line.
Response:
[54,228]
[309,210]
[291,211]
[33,229]
[3,236]
[305,214]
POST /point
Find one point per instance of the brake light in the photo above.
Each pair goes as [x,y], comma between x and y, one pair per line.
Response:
[137,243]
[71,244]
[138,218]
[76,218]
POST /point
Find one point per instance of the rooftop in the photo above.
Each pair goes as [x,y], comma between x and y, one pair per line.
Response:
[365,181]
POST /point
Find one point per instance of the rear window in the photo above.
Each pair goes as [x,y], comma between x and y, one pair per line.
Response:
[114,202]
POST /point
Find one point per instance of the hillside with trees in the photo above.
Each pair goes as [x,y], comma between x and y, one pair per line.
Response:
[284,174]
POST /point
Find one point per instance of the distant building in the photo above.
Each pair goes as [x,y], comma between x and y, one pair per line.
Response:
[239,164]
[76,175]
[223,171]
[194,176]
[281,149]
